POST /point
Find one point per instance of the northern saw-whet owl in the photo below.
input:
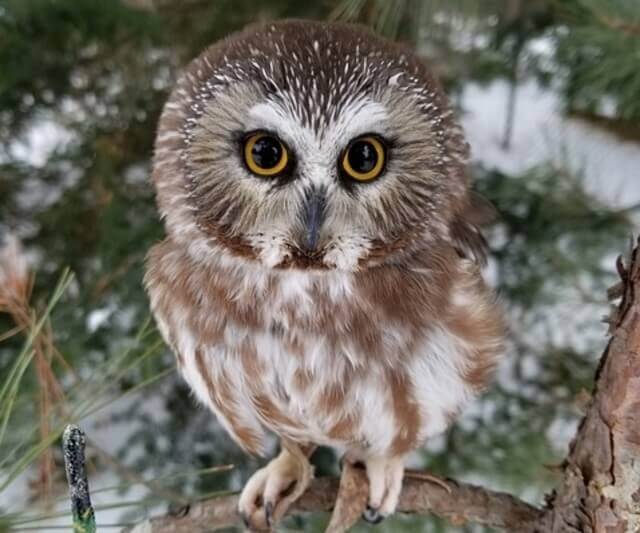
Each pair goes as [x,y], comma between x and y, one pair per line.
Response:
[320,279]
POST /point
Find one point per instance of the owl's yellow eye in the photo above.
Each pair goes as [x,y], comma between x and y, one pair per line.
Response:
[364,159]
[265,155]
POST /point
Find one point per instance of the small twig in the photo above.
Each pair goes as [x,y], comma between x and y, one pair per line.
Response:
[73,443]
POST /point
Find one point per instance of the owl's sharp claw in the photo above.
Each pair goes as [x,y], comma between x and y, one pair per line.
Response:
[245,519]
[268,514]
[373,516]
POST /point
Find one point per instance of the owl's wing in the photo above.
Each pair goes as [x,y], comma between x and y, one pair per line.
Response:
[465,228]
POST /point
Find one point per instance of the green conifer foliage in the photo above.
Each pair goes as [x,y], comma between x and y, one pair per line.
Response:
[599,46]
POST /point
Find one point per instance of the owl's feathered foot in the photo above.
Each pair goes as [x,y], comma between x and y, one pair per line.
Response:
[385,484]
[272,489]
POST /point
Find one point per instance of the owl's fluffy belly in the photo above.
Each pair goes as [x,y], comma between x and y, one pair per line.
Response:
[374,362]
[313,390]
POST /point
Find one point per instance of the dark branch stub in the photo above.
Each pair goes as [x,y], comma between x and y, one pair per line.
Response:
[73,443]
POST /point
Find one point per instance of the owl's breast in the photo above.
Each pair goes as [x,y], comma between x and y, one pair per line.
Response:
[300,385]
[321,359]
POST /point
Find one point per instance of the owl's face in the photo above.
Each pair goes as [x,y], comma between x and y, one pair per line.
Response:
[303,145]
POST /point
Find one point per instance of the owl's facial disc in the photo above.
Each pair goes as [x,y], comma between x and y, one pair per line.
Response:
[315,202]
[293,195]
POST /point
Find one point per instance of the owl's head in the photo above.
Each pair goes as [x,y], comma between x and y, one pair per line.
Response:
[309,145]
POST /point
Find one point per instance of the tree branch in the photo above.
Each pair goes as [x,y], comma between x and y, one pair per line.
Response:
[599,490]
[462,503]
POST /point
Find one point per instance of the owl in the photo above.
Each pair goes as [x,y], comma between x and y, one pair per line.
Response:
[320,280]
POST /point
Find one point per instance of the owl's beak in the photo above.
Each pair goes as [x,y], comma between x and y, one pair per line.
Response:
[313,214]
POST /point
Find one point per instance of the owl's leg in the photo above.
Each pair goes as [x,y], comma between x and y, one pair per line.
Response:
[272,489]
[385,484]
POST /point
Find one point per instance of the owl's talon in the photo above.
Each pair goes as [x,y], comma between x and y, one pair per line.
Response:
[385,484]
[245,520]
[373,516]
[268,513]
[272,489]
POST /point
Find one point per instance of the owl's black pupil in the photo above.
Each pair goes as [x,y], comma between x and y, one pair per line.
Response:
[362,156]
[266,152]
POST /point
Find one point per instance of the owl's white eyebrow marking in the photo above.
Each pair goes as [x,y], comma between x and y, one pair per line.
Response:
[362,115]
[271,116]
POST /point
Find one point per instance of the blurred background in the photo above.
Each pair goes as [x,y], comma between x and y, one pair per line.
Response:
[548,92]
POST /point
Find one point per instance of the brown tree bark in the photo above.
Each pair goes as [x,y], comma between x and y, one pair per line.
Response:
[600,487]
